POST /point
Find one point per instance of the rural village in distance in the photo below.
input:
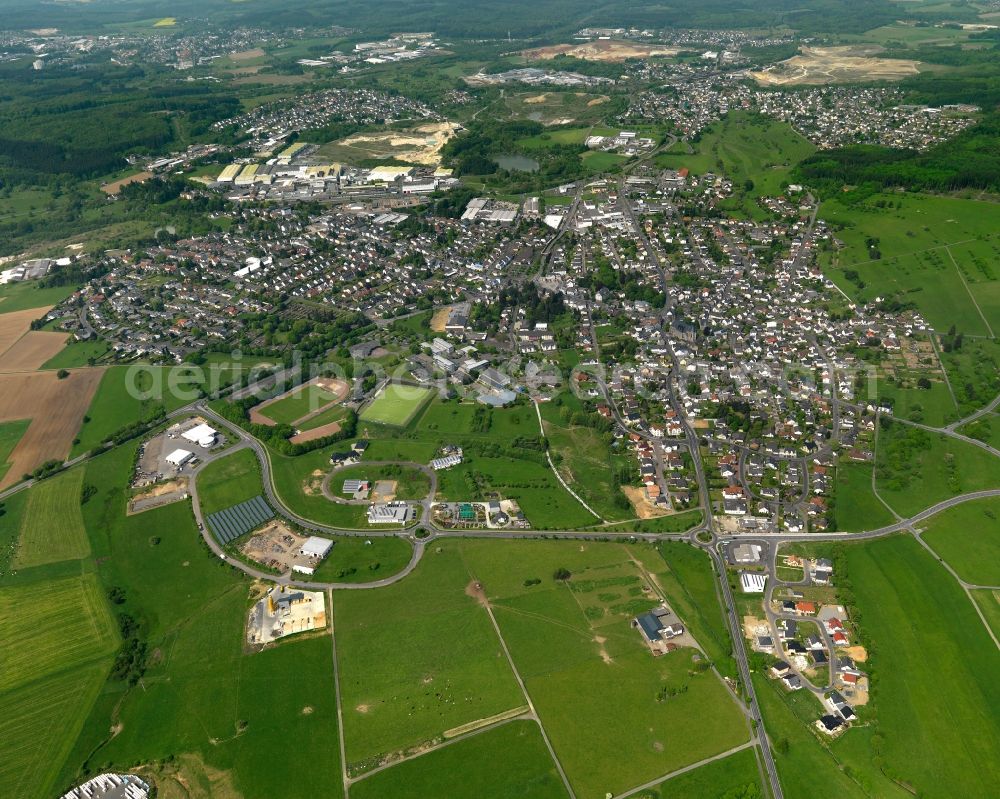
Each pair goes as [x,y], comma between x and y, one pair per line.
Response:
[554,402]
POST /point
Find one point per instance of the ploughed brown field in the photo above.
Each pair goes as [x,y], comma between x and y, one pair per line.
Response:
[32,350]
[56,409]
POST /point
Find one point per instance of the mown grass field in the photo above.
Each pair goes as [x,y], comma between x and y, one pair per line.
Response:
[968,538]
[125,397]
[988,601]
[47,628]
[52,525]
[10,434]
[396,405]
[937,699]
[39,723]
[27,294]
[509,761]
[857,507]
[229,480]
[299,403]
[416,659]
[76,354]
[640,716]
[129,394]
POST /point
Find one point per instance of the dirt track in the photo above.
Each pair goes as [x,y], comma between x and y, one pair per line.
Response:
[56,409]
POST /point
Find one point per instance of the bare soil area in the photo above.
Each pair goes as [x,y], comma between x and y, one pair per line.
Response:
[56,408]
[440,319]
[15,324]
[32,350]
[116,186]
[609,50]
[643,508]
[316,432]
[821,65]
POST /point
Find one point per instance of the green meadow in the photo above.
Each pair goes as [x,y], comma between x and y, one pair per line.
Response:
[857,508]
[509,761]
[416,659]
[915,469]
[756,153]
[938,253]
[10,434]
[933,666]
[52,526]
[967,537]
[640,717]
[229,480]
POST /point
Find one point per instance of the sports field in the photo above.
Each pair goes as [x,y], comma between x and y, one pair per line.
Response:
[510,761]
[968,538]
[396,404]
[416,659]
[937,697]
[52,526]
[300,402]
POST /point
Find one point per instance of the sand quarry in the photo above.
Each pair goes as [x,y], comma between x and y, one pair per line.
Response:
[609,50]
[419,145]
[821,65]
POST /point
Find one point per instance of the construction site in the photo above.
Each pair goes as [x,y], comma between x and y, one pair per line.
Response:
[282,612]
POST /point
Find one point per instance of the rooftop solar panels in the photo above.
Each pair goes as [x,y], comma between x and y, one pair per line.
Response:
[229,524]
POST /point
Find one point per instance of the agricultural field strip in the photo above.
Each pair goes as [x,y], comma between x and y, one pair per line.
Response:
[52,527]
[39,723]
[42,634]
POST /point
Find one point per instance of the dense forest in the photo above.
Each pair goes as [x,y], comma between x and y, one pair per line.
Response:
[474,18]
[970,160]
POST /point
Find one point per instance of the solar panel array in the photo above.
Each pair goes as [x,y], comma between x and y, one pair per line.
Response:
[229,524]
